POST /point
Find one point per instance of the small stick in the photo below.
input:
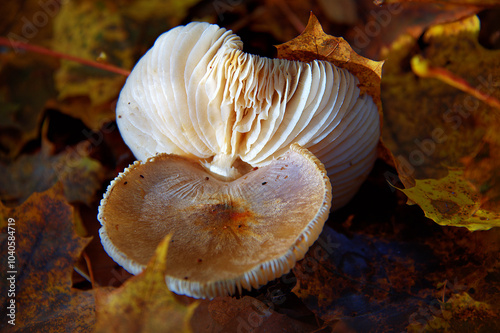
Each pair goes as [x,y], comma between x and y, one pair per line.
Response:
[41,50]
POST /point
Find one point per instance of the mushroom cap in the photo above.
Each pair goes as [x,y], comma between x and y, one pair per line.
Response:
[226,235]
[195,93]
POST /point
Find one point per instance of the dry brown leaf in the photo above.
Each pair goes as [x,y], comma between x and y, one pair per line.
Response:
[80,175]
[46,247]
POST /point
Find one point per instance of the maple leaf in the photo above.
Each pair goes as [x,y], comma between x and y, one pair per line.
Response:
[431,127]
[144,303]
[46,247]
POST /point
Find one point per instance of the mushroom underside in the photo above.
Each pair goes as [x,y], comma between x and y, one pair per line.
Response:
[196,93]
[225,234]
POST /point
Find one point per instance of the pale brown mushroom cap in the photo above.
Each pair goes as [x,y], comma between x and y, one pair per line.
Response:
[225,235]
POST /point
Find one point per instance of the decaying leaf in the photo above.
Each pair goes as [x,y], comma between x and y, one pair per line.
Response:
[46,247]
[430,126]
[21,109]
[452,201]
[80,175]
[393,279]
[143,303]
[369,281]
[461,313]
[91,30]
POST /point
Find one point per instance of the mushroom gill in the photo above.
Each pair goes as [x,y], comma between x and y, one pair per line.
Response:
[195,93]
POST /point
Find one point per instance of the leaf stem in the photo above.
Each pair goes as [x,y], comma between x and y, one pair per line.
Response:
[422,68]
[41,50]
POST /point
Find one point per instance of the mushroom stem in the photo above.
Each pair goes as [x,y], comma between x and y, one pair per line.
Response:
[222,165]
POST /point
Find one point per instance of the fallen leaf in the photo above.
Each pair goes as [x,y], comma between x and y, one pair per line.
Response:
[369,280]
[144,303]
[461,313]
[384,280]
[92,30]
[46,247]
[80,175]
[452,201]
[481,170]
[432,127]
[21,109]
[385,23]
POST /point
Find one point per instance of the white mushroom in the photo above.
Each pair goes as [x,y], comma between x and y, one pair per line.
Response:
[220,132]
[195,93]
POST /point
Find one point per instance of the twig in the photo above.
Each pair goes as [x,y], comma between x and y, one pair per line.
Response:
[41,50]
[89,267]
